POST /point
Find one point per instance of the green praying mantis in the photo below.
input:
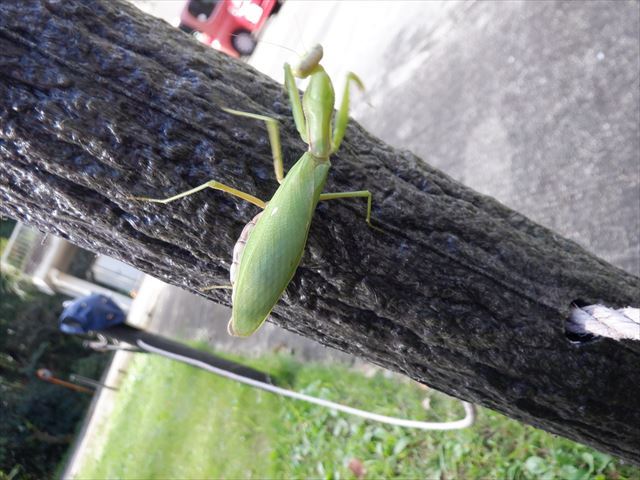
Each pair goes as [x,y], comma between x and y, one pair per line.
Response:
[270,247]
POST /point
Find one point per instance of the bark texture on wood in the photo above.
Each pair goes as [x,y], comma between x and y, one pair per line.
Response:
[99,101]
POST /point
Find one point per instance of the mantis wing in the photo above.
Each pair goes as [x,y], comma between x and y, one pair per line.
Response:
[274,248]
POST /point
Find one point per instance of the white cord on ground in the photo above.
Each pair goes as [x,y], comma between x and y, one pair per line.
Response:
[605,322]
[468,420]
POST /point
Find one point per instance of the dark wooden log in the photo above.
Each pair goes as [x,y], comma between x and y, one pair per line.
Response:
[99,101]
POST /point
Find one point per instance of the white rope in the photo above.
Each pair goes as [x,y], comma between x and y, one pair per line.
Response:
[468,420]
[605,322]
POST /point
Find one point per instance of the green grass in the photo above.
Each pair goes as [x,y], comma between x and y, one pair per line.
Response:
[175,421]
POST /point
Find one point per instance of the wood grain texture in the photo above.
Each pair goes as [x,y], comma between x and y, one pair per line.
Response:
[99,101]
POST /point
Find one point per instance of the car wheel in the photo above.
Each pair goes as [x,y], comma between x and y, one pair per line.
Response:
[276,7]
[243,42]
[186,29]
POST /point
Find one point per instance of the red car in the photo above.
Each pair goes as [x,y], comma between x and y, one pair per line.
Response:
[228,25]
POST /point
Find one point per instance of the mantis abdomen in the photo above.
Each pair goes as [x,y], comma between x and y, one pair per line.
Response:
[274,246]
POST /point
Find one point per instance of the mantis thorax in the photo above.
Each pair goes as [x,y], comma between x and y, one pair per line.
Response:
[317,104]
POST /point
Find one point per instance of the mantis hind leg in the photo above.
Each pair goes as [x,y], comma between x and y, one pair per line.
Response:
[216,287]
[356,194]
[210,184]
[342,117]
[274,138]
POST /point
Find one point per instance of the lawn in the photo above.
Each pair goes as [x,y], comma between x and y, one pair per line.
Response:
[175,421]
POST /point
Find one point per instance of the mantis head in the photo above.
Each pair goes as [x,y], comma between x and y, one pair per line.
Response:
[309,62]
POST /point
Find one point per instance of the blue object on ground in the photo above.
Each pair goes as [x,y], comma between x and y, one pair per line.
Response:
[91,313]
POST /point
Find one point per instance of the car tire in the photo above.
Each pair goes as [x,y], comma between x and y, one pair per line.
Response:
[244,42]
[187,29]
[276,7]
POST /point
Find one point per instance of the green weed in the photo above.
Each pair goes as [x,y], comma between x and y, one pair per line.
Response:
[175,421]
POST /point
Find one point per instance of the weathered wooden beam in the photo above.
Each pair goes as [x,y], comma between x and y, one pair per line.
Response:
[99,101]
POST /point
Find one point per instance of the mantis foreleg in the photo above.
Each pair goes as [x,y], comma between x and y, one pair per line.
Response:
[342,117]
[296,103]
[210,184]
[274,138]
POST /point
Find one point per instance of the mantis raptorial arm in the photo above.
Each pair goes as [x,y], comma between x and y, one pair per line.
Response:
[342,117]
[274,138]
[210,184]
[296,103]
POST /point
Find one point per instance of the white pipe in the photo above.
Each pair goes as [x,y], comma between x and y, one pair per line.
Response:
[467,421]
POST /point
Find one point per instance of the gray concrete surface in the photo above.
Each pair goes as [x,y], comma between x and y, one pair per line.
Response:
[181,315]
